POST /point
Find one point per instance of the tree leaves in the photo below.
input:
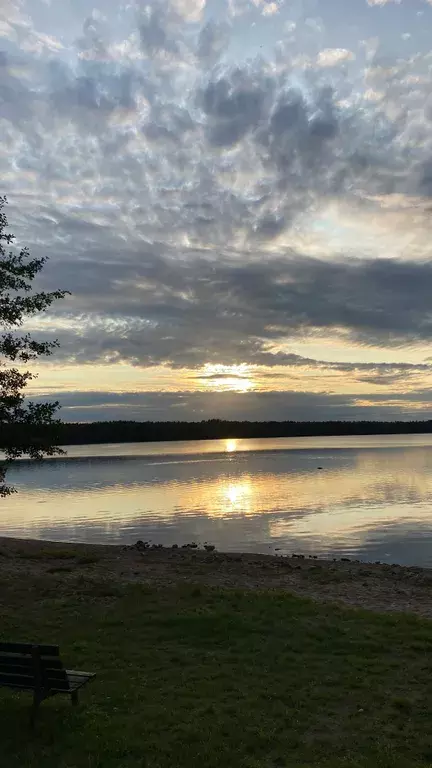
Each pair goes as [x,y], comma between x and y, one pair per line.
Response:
[26,428]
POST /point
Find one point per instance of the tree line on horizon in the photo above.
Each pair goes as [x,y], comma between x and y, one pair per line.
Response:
[214,429]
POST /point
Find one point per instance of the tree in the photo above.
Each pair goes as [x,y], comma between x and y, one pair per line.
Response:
[25,428]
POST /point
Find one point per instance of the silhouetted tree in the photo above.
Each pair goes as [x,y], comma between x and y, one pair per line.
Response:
[25,428]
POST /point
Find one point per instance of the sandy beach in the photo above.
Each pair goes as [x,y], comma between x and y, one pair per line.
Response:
[379,587]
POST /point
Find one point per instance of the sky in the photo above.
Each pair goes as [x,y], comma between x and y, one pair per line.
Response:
[237,194]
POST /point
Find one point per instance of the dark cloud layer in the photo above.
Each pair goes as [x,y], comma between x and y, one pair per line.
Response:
[197,406]
[166,305]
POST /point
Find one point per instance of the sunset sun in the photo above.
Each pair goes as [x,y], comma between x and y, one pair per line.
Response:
[227,378]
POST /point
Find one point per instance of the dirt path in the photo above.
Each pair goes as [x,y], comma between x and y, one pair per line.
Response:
[376,587]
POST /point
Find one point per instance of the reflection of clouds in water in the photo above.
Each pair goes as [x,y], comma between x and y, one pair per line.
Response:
[397,543]
[228,534]
[351,525]
[243,501]
[287,481]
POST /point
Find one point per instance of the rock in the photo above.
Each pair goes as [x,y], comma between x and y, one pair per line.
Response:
[140,545]
[174,546]
[209,547]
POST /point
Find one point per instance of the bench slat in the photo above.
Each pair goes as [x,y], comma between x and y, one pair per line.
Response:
[78,679]
[80,673]
[44,650]
[58,685]
[56,680]
[23,661]
[17,681]
[54,674]
[27,662]
[81,677]
[51,664]
[16,669]
[71,683]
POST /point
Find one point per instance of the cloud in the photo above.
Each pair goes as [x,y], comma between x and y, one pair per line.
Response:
[184,309]
[182,186]
[198,406]
[157,29]
[383,2]
[190,10]
[213,39]
[235,104]
[266,8]
[269,9]
[330,57]
[16,26]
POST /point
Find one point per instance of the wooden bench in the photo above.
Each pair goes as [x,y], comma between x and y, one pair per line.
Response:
[38,668]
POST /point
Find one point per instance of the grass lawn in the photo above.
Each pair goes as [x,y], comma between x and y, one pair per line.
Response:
[212,678]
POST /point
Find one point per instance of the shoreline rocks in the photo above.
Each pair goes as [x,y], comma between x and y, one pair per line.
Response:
[383,587]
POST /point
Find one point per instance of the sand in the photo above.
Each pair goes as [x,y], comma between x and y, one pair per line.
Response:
[378,587]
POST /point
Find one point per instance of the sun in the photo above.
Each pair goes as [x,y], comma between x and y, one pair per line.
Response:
[227,378]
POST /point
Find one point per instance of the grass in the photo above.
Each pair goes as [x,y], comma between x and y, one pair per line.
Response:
[58,554]
[47,554]
[193,677]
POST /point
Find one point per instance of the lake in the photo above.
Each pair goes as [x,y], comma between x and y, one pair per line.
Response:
[363,497]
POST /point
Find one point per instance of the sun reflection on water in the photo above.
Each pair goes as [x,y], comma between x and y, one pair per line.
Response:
[238,495]
[364,501]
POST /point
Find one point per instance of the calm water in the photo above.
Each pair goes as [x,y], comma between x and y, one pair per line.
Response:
[372,498]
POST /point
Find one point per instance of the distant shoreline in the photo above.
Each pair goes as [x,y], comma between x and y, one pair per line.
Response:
[170,431]
[377,587]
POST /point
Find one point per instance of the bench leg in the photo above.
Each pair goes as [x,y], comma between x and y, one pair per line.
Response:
[74,698]
[37,698]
